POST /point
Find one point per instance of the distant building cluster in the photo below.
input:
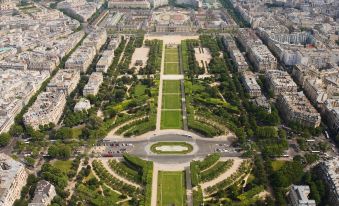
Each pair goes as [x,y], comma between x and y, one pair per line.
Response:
[13,177]
[32,45]
[81,8]
[303,37]
[130,4]
[49,105]
[164,20]
[16,89]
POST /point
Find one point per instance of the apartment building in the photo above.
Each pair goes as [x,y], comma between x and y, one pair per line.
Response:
[229,42]
[280,82]
[258,53]
[114,43]
[81,59]
[96,38]
[47,108]
[129,4]
[13,177]
[248,39]
[331,111]
[105,61]
[239,60]
[298,196]
[330,174]
[43,194]
[297,108]
[93,85]
[250,84]
[65,80]
[315,90]
[16,89]
[158,3]
[261,58]
[262,102]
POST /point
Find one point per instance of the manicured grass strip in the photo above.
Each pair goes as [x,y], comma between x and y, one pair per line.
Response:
[171,188]
[171,86]
[171,101]
[171,57]
[171,68]
[171,120]
[188,147]
[171,50]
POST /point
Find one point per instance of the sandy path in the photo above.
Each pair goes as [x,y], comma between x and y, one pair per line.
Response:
[108,168]
[189,191]
[155,185]
[71,185]
[237,162]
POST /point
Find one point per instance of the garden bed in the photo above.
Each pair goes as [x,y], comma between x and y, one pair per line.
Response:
[171,148]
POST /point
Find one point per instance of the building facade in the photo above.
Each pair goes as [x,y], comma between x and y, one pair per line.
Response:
[13,177]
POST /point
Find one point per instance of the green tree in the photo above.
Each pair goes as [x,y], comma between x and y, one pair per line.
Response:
[53,151]
[4,139]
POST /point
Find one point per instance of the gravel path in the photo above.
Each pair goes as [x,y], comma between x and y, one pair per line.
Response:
[229,172]
[155,185]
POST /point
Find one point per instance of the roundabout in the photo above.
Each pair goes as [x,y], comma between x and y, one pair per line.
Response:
[171,148]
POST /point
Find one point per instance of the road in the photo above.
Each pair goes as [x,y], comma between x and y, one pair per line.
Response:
[202,147]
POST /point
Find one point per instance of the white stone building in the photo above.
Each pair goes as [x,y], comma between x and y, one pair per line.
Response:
[47,108]
[129,4]
[81,59]
[93,85]
[297,108]
[13,177]
[298,196]
[43,194]
[250,84]
[65,80]
[280,82]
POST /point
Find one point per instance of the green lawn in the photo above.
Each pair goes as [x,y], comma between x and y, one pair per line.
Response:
[171,86]
[171,188]
[139,90]
[63,165]
[171,57]
[277,164]
[171,68]
[171,119]
[171,50]
[171,101]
